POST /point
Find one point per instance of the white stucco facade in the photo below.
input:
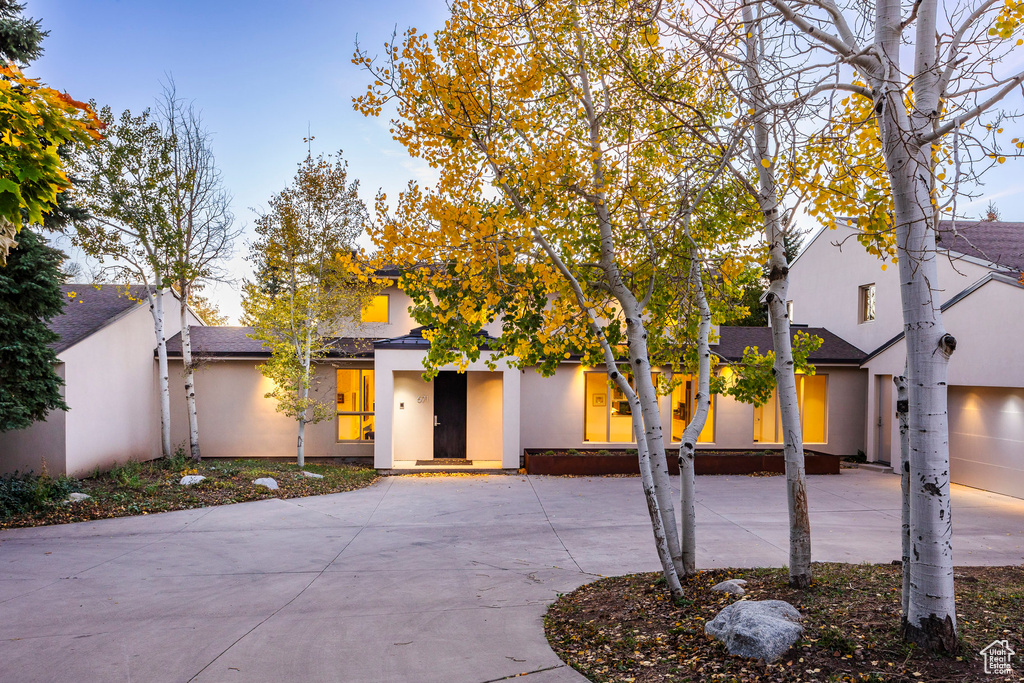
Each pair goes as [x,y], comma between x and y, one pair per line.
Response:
[111,387]
[982,308]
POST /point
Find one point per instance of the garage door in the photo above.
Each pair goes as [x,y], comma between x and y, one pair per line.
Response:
[986,438]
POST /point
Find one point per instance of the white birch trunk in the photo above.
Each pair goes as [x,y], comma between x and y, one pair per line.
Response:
[668,564]
[651,432]
[300,454]
[901,416]
[156,308]
[931,609]
[687,447]
[785,379]
[190,387]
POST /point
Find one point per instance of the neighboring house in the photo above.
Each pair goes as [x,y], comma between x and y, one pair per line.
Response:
[105,355]
[386,410]
[836,283]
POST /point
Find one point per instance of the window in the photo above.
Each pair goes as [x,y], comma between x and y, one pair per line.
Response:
[789,310]
[607,415]
[812,401]
[867,304]
[377,310]
[355,405]
[684,403]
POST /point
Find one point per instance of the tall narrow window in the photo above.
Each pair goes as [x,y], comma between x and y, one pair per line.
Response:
[377,310]
[607,415]
[684,403]
[355,404]
[812,402]
[867,303]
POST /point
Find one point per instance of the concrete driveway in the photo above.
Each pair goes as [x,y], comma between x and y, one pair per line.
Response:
[412,579]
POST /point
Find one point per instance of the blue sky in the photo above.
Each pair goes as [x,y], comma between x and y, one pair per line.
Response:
[261,72]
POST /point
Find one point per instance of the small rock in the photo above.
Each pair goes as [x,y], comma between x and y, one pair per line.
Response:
[191,479]
[78,497]
[312,475]
[734,586]
[266,481]
[758,629]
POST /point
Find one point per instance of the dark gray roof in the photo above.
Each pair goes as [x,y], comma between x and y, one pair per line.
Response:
[212,341]
[995,241]
[833,349]
[93,307]
[415,340]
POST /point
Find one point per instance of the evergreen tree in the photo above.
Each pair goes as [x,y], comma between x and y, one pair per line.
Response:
[30,296]
[20,38]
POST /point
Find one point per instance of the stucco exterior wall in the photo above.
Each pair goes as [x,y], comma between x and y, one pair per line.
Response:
[824,284]
[399,320]
[483,415]
[25,450]
[236,420]
[405,435]
[112,390]
[552,414]
[985,328]
[413,416]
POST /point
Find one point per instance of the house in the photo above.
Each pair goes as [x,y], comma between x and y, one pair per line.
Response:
[105,355]
[385,409]
[837,284]
[484,418]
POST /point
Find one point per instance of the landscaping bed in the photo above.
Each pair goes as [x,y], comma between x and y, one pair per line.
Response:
[142,488]
[628,629]
[593,461]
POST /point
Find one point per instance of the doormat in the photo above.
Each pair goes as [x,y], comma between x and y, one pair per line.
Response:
[444,461]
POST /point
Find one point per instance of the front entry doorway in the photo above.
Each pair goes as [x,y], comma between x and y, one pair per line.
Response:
[450,415]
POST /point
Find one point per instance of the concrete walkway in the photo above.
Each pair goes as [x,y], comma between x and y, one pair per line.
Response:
[413,579]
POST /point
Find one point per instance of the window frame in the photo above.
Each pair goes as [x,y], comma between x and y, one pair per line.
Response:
[609,390]
[691,406]
[778,413]
[387,310]
[354,413]
[862,303]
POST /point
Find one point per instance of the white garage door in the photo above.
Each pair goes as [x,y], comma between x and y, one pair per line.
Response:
[986,438]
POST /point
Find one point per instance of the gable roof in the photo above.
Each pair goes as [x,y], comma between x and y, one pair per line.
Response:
[210,341]
[997,242]
[957,298]
[733,340]
[92,308]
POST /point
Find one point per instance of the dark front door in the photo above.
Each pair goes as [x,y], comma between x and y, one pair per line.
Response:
[450,415]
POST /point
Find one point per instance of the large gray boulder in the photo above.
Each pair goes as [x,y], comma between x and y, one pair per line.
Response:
[312,475]
[77,497]
[191,479]
[269,482]
[758,629]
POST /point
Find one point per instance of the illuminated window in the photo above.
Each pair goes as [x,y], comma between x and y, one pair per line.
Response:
[376,311]
[812,401]
[867,304]
[355,405]
[684,403]
[607,415]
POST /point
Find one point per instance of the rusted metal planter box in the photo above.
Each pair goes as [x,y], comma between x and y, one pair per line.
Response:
[537,462]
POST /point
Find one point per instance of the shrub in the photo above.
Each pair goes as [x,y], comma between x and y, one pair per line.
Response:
[29,492]
[128,475]
[604,452]
[572,451]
